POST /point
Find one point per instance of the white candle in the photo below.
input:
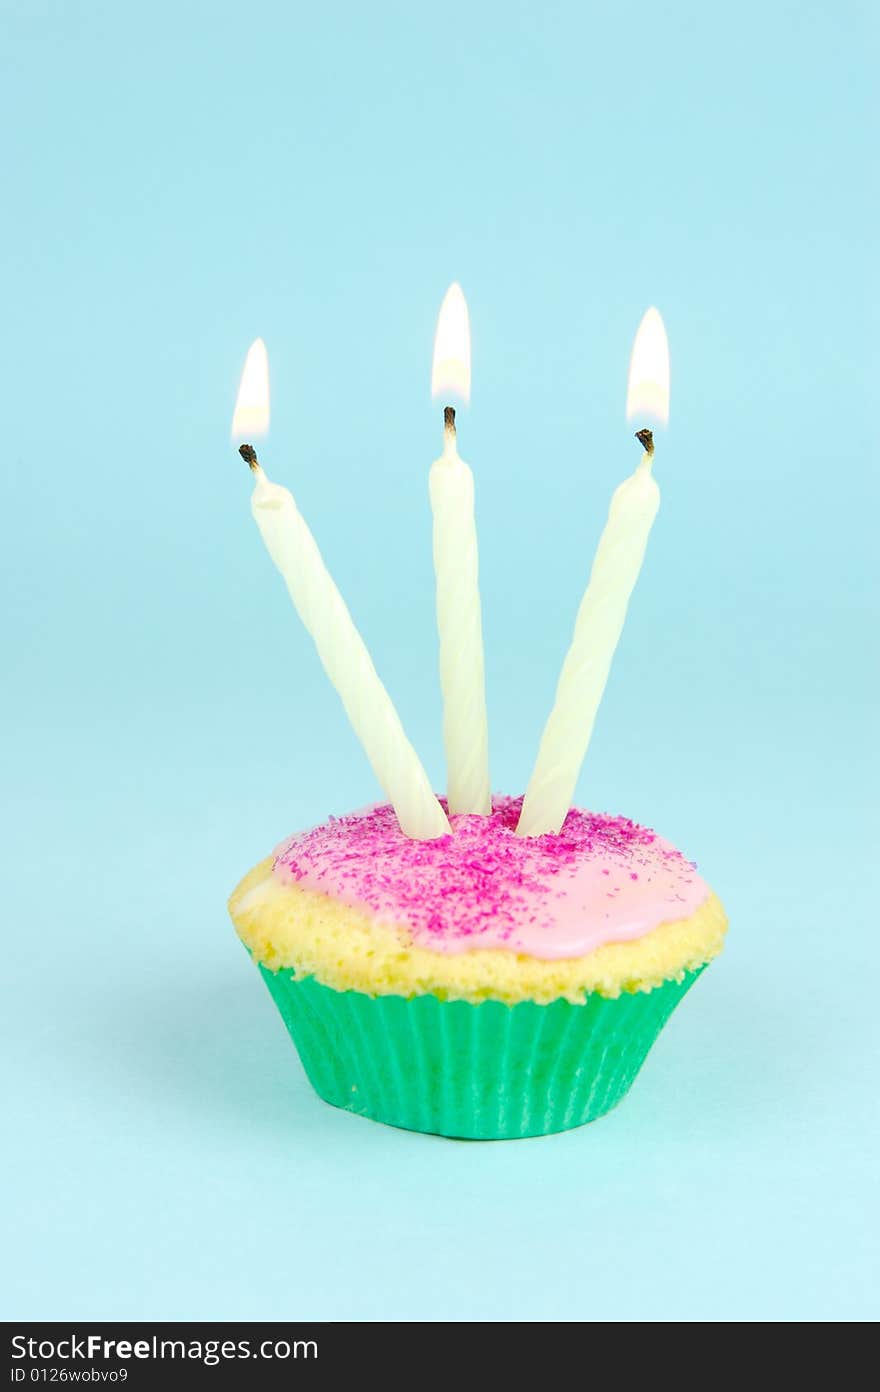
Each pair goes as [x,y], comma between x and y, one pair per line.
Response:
[600,619]
[324,613]
[597,630]
[456,567]
[345,658]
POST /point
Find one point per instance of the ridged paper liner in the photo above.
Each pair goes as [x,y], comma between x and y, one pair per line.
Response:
[482,1072]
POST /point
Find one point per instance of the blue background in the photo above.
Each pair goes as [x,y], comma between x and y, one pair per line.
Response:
[179,179]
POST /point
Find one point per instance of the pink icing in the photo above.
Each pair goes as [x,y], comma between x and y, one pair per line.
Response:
[601,879]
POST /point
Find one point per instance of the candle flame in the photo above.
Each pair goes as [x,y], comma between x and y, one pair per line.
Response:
[451,372]
[251,415]
[647,394]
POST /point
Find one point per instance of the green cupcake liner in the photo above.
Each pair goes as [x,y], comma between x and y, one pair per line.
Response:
[478,1072]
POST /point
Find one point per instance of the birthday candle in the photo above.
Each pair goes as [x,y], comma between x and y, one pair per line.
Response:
[344,654]
[456,567]
[602,613]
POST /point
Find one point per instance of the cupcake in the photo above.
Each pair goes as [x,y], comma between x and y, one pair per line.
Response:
[481,985]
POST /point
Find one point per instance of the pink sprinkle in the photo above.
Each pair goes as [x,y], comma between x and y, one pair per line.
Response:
[484,886]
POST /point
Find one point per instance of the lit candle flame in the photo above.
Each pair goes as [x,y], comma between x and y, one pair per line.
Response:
[451,372]
[251,416]
[647,394]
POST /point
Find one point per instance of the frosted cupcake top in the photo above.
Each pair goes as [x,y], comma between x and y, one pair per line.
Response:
[599,880]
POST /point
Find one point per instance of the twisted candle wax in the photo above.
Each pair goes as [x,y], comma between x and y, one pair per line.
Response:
[345,658]
[459,621]
[599,623]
